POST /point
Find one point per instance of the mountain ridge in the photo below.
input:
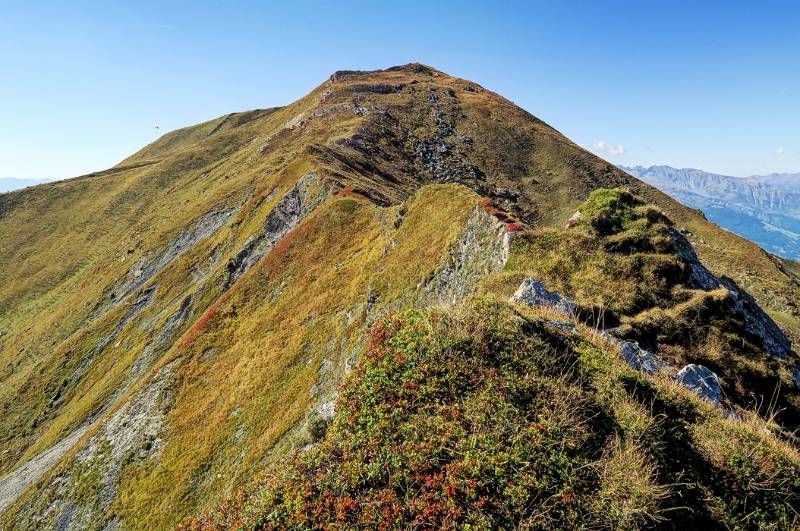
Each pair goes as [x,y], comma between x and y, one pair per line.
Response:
[7,184]
[189,314]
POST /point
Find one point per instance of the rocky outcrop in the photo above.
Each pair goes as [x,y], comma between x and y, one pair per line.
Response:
[702,381]
[533,293]
[80,496]
[757,322]
[15,483]
[699,277]
[147,267]
[480,249]
[144,299]
[698,378]
[306,195]
[635,356]
[163,340]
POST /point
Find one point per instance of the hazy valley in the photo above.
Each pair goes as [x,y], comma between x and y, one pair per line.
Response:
[764,209]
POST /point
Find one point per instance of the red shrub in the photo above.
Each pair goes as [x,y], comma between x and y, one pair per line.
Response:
[497,213]
[206,318]
[345,192]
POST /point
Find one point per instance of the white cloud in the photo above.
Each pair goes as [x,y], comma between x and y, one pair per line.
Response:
[604,148]
[780,151]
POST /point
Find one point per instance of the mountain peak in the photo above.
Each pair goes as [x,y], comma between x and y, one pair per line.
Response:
[173,323]
[410,68]
[762,209]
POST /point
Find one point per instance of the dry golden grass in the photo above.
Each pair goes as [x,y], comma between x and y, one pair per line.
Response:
[64,246]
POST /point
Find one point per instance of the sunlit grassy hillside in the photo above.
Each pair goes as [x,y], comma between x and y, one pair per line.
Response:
[173,324]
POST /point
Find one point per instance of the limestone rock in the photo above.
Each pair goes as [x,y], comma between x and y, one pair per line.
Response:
[702,381]
[640,359]
[533,293]
[481,248]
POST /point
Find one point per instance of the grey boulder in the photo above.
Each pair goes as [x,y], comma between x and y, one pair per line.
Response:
[640,359]
[702,381]
[532,293]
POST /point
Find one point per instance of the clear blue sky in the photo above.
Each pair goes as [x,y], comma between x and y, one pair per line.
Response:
[716,86]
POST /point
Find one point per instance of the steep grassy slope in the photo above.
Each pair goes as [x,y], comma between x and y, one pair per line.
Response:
[188,314]
[498,415]
[495,417]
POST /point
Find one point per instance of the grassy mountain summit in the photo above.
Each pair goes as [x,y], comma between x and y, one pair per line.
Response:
[176,324]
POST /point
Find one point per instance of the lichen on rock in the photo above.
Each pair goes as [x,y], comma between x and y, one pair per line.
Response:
[639,358]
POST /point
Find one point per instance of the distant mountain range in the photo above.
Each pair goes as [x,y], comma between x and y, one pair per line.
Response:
[9,183]
[762,208]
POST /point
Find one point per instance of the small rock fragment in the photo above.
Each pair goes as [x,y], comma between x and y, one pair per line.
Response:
[567,326]
[573,220]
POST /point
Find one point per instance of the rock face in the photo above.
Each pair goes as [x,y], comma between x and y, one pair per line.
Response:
[480,249]
[640,359]
[757,322]
[143,300]
[13,484]
[293,207]
[702,381]
[163,340]
[147,267]
[131,434]
[533,293]
[700,276]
